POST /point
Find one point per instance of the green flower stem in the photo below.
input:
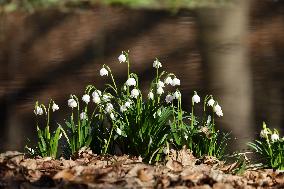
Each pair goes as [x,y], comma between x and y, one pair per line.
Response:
[192,116]
[128,72]
[47,121]
[157,74]
[78,120]
[180,111]
[113,82]
[110,136]
[112,78]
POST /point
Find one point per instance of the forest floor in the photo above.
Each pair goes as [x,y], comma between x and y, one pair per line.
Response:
[89,170]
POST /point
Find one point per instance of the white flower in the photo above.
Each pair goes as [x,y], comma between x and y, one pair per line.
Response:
[195,99]
[112,116]
[32,151]
[55,107]
[97,93]
[151,95]
[264,133]
[274,137]
[123,108]
[134,93]
[122,58]
[168,80]
[131,82]
[211,102]
[157,64]
[186,137]
[127,104]
[106,97]
[96,99]
[96,96]
[118,131]
[83,116]
[219,113]
[166,150]
[86,98]
[175,82]
[169,98]
[208,120]
[160,90]
[160,84]
[217,108]
[109,107]
[38,110]
[103,72]
[177,95]
[72,103]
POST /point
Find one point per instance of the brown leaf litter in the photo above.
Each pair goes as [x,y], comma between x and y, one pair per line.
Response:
[87,170]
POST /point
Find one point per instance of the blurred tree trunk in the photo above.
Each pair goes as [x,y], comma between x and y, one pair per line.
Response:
[223,36]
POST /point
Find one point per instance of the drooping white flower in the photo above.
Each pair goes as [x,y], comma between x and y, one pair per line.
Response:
[168,80]
[106,97]
[118,131]
[186,137]
[83,116]
[160,90]
[157,64]
[97,93]
[127,104]
[151,95]
[217,108]
[86,98]
[195,99]
[219,113]
[38,110]
[160,84]
[134,93]
[96,99]
[72,103]
[122,58]
[175,82]
[55,107]
[123,108]
[169,98]
[211,102]
[32,151]
[166,150]
[112,116]
[208,120]
[177,95]
[274,137]
[109,107]
[131,82]
[264,133]
[103,72]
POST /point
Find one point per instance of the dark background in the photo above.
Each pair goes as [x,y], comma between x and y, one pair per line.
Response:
[233,52]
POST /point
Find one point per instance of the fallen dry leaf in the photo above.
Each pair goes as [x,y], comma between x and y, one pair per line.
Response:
[174,165]
[65,174]
[145,175]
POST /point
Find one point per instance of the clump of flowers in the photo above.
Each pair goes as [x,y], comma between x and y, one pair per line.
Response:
[199,133]
[125,121]
[78,132]
[270,148]
[47,144]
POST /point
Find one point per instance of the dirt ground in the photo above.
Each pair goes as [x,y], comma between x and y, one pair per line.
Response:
[88,170]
